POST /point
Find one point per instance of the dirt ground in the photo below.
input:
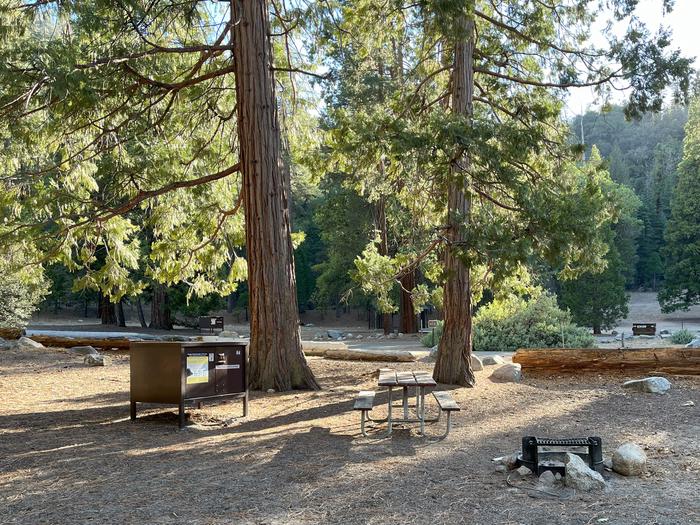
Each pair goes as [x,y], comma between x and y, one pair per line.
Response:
[70,455]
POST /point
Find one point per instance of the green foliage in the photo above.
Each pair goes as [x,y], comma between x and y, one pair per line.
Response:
[681,288]
[433,337]
[22,288]
[598,299]
[505,326]
[514,322]
[682,337]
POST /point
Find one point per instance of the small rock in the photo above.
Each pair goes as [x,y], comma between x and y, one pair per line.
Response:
[493,360]
[580,476]
[83,350]
[629,460]
[400,334]
[380,336]
[94,360]
[477,365]
[349,335]
[652,385]
[334,334]
[510,461]
[501,468]
[270,390]
[508,373]
[392,336]
[558,476]
[688,404]
[25,342]
[434,351]
[359,337]
[664,332]
[547,478]
[523,471]
[608,464]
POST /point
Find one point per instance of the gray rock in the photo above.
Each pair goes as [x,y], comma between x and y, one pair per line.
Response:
[557,476]
[695,343]
[688,404]
[580,476]
[493,360]
[359,337]
[608,464]
[652,385]
[392,336]
[83,350]
[270,390]
[477,365]
[510,461]
[523,471]
[5,344]
[664,332]
[94,360]
[547,478]
[349,335]
[629,460]
[25,342]
[334,334]
[508,374]
[434,351]
[501,468]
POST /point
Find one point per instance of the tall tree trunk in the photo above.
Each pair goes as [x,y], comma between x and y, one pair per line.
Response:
[107,313]
[276,359]
[121,318]
[139,311]
[160,308]
[409,323]
[453,364]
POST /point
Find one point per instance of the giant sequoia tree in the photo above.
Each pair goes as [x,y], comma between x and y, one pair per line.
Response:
[118,116]
[470,134]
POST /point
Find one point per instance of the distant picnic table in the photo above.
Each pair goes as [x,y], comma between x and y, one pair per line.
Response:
[419,380]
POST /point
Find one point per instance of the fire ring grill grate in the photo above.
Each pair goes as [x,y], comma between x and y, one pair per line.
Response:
[553,457]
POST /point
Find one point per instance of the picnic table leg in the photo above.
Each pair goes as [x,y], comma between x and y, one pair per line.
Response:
[405,402]
[389,414]
[421,411]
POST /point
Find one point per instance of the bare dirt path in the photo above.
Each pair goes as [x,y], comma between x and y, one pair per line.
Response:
[68,453]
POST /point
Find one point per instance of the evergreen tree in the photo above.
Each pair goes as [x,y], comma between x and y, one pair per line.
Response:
[681,287]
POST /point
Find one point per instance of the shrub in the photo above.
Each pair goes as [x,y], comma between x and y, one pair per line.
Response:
[432,338]
[514,323]
[682,337]
[21,290]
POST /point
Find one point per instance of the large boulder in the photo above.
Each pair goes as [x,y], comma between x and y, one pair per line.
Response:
[26,343]
[94,360]
[652,385]
[507,374]
[477,365]
[695,343]
[493,360]
[83,350]
[580,476]
[629,460]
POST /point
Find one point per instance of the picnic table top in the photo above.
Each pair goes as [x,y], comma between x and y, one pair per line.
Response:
[390,377]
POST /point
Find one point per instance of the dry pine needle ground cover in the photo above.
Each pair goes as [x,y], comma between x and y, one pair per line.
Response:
[69,454]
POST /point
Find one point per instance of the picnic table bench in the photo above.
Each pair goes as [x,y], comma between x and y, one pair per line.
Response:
[419,380]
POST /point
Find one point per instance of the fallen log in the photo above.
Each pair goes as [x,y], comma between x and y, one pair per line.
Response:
[394,356]
[69,342]
[684,361]
[319,348]
[11,333]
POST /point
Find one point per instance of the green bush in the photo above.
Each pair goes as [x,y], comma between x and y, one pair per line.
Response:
[505,326]
[682,337]
[22,287]
[433,337]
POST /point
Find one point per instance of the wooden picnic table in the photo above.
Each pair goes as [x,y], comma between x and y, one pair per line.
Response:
[407,379]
